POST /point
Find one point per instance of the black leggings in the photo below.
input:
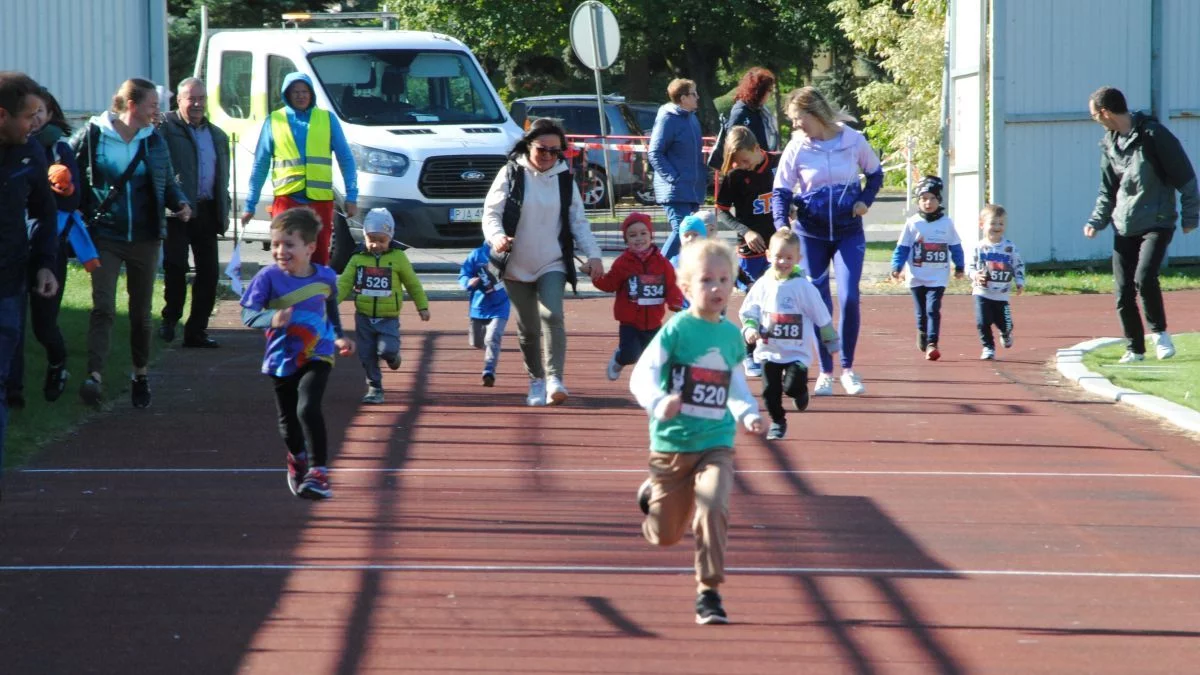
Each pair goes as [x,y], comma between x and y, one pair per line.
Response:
[43,317]
[298,400]
[780,379]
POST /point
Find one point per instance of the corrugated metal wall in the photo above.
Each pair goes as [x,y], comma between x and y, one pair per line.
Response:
[1181,58]
[81,50]
[1047,57]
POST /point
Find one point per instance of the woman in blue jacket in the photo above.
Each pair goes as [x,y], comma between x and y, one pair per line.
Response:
[676,154]
[131,228]
[43,311]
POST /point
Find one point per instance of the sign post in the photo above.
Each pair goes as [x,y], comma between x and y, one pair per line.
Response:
[596,39]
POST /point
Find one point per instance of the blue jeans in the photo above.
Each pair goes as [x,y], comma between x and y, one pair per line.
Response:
[12,326]
[676,212]
[847,255]
[927,301]
[632,342]
[990,313]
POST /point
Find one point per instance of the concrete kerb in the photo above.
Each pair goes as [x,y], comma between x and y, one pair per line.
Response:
[1069,363]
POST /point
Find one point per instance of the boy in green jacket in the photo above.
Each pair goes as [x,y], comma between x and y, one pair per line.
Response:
[377,276]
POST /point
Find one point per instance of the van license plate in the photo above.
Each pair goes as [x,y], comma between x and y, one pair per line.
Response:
[472,215]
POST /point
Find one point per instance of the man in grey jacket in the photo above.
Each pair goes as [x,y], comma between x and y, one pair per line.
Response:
[200,155]
[1142,165]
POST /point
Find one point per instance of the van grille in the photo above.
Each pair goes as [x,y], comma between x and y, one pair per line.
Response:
[410,132]
[442,177]
[481,130]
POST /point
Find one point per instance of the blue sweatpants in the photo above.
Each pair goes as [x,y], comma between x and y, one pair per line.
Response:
[847,255]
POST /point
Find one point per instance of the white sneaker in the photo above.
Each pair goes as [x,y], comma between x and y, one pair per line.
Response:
[556,393]
[752,368]
[537,393]
[851,383]
[614,368]
[987,354]
[823,385]
[1131,357]
[1163,347]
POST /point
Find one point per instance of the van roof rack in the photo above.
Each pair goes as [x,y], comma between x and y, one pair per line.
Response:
[388,19]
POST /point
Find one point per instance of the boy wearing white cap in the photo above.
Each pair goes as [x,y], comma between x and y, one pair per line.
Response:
[377,276]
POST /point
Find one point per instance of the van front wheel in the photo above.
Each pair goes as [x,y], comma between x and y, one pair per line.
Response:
[342,246]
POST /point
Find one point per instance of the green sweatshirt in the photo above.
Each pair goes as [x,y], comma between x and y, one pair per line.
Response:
[701,362]
[379,282]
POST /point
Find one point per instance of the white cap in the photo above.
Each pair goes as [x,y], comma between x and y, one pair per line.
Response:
[379,220]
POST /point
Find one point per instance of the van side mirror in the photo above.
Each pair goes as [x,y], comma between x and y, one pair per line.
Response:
[519,112]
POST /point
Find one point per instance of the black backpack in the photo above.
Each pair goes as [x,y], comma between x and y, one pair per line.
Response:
[512,214]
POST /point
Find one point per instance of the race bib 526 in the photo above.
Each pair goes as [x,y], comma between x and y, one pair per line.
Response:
[375,282]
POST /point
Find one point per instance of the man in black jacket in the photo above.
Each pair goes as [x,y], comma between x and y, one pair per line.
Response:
[24,187]
[200,155]
[1142,166]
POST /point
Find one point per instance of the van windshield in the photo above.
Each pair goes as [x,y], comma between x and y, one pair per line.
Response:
[397,87]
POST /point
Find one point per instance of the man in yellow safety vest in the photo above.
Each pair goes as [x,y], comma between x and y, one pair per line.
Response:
[297,145]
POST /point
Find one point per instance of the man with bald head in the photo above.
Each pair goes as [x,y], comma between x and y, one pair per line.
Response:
[200,155]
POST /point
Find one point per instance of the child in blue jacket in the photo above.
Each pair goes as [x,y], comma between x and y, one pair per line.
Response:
[489,309]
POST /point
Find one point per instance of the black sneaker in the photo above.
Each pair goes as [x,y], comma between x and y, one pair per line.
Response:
[709,609]
[489,380]
[643,496]
[166,331]
[91,392]
[139,392]
[777,431]
[393,361]
[56,381]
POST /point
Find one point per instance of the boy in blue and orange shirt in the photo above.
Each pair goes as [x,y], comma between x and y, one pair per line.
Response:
[296,302]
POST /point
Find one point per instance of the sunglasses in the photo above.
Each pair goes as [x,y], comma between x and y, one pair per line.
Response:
[543,150]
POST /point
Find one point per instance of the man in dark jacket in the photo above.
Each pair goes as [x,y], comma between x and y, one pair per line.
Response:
[1142,165]
[24,187]
[200,155]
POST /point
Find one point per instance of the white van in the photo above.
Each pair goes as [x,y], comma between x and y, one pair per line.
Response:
[428,131]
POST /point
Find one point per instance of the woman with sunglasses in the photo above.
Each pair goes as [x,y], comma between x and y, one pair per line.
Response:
[676,153]
[533,234]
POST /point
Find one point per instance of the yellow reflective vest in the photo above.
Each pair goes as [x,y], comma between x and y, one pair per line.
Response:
[313,173]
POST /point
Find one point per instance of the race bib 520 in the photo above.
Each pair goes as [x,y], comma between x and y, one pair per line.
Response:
[704,391]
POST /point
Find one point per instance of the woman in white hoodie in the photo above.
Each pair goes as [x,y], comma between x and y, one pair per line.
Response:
[533,220]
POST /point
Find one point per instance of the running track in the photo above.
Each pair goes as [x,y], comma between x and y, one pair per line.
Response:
[963,517]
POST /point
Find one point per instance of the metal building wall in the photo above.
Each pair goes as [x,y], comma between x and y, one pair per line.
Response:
[1046,58]
[81,50]
[1181,58]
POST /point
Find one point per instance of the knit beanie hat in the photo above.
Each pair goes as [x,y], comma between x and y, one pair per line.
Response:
[693,223]
[379,220]
[931,184]
[637,217]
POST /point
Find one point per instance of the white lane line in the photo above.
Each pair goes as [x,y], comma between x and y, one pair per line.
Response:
[602,569]
[485,470]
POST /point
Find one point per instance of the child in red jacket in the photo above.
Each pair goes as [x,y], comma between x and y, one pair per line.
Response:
[645,286]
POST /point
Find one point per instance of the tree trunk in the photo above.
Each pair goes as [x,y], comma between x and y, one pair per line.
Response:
[701,64]
[637,78]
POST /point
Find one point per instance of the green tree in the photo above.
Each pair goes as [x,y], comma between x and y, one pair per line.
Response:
[183,31]
[660,40]
[906,40]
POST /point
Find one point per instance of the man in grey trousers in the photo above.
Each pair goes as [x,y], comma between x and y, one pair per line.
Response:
[200,155]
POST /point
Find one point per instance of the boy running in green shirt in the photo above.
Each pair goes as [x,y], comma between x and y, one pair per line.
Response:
[690,381]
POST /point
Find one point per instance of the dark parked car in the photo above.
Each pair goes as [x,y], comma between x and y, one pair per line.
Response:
[580,116]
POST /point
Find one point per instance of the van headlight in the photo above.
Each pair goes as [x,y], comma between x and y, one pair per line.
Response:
[382,162]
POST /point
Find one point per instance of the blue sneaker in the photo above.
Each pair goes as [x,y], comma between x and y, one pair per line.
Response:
[316,484]
[752,369]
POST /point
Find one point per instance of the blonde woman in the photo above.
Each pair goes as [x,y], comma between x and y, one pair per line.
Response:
[819,173]
[130,227]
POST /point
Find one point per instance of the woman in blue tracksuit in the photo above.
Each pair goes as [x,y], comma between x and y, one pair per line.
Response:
[819,173]
[676,154]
